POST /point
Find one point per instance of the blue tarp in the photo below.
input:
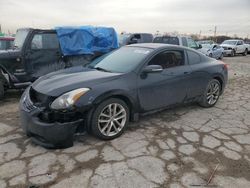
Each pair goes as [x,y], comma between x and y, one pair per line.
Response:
[86,39]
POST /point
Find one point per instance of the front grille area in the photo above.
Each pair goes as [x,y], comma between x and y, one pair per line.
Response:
[28,105]
[39,99]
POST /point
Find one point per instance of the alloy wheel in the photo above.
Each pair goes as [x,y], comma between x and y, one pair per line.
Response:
[213,93]
[112,119]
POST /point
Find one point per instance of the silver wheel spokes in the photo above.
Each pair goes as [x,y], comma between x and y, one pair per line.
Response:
[112,119]
[213,93]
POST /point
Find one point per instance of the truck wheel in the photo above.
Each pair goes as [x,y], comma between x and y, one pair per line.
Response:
[1,89]
[245,52]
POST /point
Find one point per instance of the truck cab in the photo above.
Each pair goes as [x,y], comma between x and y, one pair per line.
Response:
[177,40]
[134,38]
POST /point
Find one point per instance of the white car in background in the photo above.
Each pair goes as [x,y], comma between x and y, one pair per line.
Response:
[233,47]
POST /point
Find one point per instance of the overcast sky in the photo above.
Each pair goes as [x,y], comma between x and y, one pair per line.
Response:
[185,16]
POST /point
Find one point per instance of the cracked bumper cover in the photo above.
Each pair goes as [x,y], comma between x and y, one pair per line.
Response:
[49,135]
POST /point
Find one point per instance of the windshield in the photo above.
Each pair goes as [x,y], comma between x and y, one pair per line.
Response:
[20,38]
[232,42]
[122,60]
[122,38]
[167,40]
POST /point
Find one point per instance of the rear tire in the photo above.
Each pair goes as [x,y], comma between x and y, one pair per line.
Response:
[110,119]
[1,89]
[211,94]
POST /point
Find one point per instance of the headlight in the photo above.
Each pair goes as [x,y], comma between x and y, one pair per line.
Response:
[68,99]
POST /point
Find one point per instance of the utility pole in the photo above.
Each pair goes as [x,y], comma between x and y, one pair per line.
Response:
[215,30]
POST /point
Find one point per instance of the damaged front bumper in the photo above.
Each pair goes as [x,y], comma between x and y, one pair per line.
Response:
[55,134]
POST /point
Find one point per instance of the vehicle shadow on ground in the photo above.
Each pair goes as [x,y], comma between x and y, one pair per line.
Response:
[146,120]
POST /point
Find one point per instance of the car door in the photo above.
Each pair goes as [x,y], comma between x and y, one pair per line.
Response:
[239,47]
[216,51]
[199,77]
[43,54]
[161,89]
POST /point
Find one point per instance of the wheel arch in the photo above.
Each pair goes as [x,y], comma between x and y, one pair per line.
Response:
[119,94]
[220,79]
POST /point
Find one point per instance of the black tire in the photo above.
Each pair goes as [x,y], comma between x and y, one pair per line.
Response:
[245,52]
[205,101]
[232,53]
[96,114]
[1,89]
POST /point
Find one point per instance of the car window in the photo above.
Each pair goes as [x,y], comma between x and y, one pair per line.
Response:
[193,57]
[184,41]
[157,40]
[191,43]
[147,38]
[170,40]
[168,59]
[45,41]
[3,45]
[239,43]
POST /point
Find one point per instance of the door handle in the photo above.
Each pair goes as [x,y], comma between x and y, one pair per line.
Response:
[186,72]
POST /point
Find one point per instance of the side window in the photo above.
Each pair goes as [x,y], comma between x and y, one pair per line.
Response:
[168,59]
[170,40]
[191,43]
[193,58]
[147,38]
[45,41]
[184,41]
[239,42]
[157,40]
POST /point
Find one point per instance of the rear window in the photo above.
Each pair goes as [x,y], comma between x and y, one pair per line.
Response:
[167,40]
[193,57]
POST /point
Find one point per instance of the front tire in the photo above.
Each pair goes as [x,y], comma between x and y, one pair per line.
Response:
[245,52]
[110,119]
[1,89]
[211,94]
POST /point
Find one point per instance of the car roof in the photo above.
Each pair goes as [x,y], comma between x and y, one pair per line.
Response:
[156,45]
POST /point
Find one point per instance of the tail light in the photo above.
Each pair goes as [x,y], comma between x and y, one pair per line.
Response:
[225,66]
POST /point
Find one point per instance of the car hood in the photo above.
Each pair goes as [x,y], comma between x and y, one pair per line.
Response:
[227,45]
[57,83]
[9,53]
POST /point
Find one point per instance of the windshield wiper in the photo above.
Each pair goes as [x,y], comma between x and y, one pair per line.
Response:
[101,69]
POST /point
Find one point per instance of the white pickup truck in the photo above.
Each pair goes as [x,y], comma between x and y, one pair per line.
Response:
[233,47]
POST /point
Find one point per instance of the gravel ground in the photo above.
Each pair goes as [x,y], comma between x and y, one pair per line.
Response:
[186,146]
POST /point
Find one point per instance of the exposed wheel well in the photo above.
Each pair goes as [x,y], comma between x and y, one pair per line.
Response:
[220,80]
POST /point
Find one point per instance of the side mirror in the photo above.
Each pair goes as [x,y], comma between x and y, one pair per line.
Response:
[153,69]
[199,46]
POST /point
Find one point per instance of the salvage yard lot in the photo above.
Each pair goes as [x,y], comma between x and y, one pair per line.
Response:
[179,147]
